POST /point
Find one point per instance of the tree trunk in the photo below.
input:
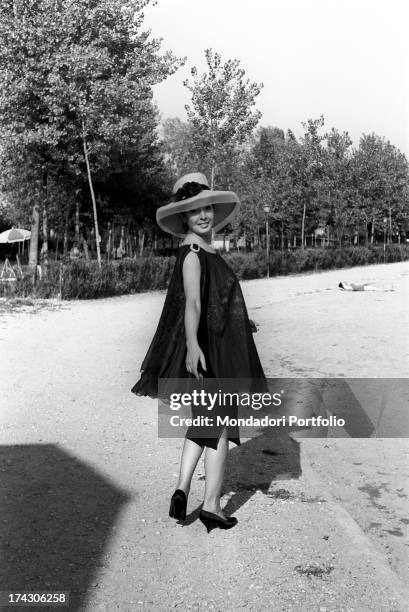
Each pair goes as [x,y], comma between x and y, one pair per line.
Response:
[85,246]
[373,229]
[77,224]
[303,225]
[91,188]
[44,246]
[35,228]
[129,243]
[142,242]
[121,248]
[213,153]
[65,235]
[57,244]
[113,249]
[108,247]
[126,246]
[282,235]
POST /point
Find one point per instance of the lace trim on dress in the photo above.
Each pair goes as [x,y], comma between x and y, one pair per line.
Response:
[219,305]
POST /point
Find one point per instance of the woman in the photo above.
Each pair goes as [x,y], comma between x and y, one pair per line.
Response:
[364,287]
[204,331]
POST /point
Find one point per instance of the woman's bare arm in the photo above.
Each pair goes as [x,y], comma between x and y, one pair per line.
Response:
[191,285]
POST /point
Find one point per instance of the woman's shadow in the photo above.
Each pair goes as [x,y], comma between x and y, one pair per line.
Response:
[257,464]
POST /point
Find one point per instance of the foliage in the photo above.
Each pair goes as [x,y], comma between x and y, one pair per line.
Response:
[254,265]
[178,138]
[380,175]
[85,280]
[75,75]
[337,192]
[221,112]
[320,182]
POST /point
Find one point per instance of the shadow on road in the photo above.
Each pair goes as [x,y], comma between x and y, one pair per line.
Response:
[56,517]
[257,464]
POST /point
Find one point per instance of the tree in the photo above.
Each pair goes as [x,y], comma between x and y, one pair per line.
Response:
[340,202]
[177,138]
[77,92]
[270,159]
[381,180]
[222,110]
[311,168]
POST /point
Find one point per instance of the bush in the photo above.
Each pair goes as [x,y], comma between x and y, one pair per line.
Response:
[247,265]
[85,280]
[252,265]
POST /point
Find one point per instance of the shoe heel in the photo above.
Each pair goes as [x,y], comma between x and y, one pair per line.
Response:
[210,524]
[211,521]
[178,505]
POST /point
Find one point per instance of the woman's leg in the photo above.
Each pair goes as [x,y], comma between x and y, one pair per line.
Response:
[215,463]
[188,462]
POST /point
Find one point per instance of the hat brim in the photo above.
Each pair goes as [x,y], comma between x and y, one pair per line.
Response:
[226,204]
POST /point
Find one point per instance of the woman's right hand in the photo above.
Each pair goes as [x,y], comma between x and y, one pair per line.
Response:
[194,356]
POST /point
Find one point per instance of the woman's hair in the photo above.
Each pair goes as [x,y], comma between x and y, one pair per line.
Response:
[188,190]
[182,217]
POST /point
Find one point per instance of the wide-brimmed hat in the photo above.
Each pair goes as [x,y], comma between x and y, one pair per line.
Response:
[192,191]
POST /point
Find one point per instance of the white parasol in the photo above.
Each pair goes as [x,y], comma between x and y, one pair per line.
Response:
[14,235]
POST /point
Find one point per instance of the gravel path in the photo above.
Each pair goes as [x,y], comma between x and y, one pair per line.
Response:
[86,482]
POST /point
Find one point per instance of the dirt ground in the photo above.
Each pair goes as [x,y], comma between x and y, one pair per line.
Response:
[85,481]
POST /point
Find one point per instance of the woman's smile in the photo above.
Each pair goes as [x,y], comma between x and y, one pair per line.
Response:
[200,220]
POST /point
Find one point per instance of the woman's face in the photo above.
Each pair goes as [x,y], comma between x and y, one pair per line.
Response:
[200,220]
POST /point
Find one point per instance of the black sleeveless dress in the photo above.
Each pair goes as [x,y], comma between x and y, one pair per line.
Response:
[224,332]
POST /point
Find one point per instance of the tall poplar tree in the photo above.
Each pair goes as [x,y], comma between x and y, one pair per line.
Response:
[77,80]
[222,110]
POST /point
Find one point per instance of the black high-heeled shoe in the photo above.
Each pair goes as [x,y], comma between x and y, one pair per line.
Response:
[178,505]
[211,521]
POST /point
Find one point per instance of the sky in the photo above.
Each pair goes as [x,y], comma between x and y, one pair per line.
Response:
[344,59]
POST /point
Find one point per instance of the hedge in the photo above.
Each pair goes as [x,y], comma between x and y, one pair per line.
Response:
[84,280]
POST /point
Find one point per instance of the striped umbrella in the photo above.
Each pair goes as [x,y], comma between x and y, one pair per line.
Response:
[14,235]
